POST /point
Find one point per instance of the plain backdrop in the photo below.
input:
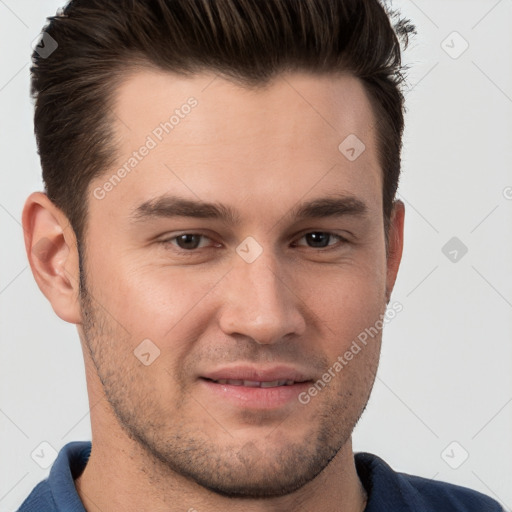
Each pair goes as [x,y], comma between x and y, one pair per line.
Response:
[442,402]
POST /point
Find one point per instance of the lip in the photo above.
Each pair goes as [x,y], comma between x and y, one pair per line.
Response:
[243,397]
[252,373]
[256,398]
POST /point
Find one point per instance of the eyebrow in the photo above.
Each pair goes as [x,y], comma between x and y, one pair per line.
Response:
[168,206]
[172,206]
[330,207]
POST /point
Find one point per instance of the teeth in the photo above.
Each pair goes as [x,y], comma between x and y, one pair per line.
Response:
[256,383]
[252,383]
[272,384]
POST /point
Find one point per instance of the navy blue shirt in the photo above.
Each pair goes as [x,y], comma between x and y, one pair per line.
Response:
[387,490]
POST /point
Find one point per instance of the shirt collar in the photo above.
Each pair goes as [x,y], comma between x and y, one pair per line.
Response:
[69,465]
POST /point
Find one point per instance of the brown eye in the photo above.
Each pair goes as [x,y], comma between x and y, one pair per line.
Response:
[320,239]
[188,241]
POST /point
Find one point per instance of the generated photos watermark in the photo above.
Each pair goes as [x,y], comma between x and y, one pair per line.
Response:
[355,348]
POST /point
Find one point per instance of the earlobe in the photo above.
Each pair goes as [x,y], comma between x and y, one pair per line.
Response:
[396,244]
[52,252]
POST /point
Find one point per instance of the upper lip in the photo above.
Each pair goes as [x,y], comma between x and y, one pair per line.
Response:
[258,374]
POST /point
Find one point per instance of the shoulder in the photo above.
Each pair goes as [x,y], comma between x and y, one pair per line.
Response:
[450,496]
[406,492]
[40,499]
[58,492]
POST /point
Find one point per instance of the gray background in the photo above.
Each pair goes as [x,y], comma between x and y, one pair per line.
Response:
[444,388]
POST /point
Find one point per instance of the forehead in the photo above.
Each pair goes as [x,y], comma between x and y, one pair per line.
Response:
[330,103]
[211,137]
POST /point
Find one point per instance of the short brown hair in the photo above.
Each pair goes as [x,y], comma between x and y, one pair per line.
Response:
[247,41]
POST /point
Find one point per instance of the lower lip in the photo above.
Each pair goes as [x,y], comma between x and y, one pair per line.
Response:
[256,398]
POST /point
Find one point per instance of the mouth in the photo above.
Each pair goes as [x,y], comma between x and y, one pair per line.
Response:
[254,383]
[255,388]
[258,376]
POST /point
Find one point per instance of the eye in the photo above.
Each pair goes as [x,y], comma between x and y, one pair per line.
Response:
[188,241]
[320,239]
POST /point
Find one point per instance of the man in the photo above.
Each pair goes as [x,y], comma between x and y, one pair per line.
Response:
[220,223]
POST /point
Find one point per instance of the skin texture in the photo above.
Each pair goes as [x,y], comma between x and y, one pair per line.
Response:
[161,439]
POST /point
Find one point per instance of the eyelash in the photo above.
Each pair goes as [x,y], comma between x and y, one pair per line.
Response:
[168,241]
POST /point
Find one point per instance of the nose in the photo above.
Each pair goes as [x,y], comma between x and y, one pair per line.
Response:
[259,302]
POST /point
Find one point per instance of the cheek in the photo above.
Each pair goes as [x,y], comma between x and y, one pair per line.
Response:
[349,298]
[352,309]
[159,302]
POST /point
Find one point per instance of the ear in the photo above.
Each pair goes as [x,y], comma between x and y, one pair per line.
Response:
[395,245]
[52,252]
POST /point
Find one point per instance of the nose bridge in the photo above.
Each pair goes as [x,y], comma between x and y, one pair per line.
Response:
[259,303]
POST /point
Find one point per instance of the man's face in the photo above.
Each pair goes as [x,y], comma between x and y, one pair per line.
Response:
[274,295]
